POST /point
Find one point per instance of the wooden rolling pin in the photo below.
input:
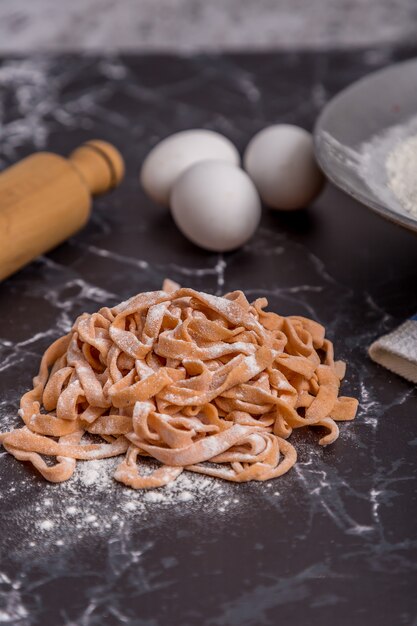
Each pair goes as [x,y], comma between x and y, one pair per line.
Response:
[46,198]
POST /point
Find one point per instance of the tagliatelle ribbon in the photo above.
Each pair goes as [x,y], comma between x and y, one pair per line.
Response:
[208,384]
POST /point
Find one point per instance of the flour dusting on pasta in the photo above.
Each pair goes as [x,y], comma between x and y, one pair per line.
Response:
[207,384]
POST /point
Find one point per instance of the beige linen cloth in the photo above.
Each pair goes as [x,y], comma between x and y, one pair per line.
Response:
[397,351]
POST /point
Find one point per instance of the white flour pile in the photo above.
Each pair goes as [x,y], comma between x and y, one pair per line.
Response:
[388,165]
[401,168]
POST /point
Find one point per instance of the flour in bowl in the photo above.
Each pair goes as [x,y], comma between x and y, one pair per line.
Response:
[401,167]
[387,163]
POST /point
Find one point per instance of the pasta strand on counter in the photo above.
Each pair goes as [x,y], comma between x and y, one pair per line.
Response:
[207,384]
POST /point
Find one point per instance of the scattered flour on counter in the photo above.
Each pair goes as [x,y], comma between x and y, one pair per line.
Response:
[185,496]
[93,502]
[46,524]
[153,496]
[94,473]
[72,510]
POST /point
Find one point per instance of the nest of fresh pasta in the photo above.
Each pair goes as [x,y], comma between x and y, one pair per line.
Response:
[207,384]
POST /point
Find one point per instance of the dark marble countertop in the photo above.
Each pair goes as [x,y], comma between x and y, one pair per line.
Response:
[332,542]
[195,25]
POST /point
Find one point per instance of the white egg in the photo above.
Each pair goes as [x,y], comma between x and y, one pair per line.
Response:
[173,155]
[280,160]
[216,205]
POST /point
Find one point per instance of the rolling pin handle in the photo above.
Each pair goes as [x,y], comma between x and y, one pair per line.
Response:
[99,164]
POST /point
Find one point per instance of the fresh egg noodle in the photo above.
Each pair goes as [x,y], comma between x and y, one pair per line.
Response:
[201,383]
